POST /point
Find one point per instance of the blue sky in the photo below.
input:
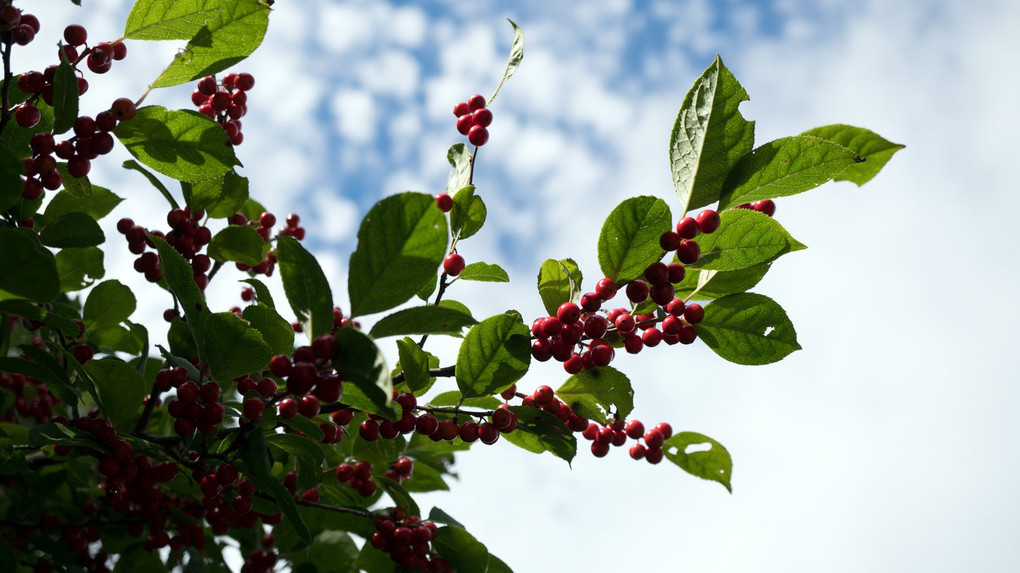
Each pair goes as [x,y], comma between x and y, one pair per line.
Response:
[885,445]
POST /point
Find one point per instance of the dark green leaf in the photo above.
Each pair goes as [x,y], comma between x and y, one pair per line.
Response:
[97,205]
[484,272]
[160,20]
[437,515]
[514,61]
[79,268]
[784,167]
[27,269]
[455,305]
[221,197]
[686,450]
[65,95]
[121,388]
[744,239]
[115,339]
[629,240]
[598,392]
[558,282]
[415,364]
[77,186]
[401,242]
[232,347]
[355,397]
[252,209]
[16,137]
[875,149]
[108,304]
[330,552]
[399,495]
[748,329]
[275,330]
[453,398]
[306,287]
[72,230]
[180,279]
[26,309]
[495,353]
[222,42]
[539,431]
[10,179]
[181,144]
[709,137]
[239,244]
[57,382]
[256,457]
[135,166]
[54,433]
[181,339]
[706,285]
[262,293]
[361,362]
[309,455]
[304,425]
[422,320]
[461,550]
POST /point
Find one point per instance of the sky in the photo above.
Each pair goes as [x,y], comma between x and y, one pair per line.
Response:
[884,445]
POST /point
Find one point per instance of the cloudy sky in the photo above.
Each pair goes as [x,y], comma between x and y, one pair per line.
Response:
[885,445]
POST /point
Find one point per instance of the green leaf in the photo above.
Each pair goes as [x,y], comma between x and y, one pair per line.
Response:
[77,186]
[26,309]
[57,382]
[308,453]
[706,285]
[415,364]
[181,144]
[558,282]
[304,425]
[875,149]
[221,197]
[784,167]
[744,239]
[330,552]
[222,42]
[180,279]
[54,433]
[401,242]
[275,330]
[539,431]
[116,339]
[437,515]
[713,463]
[306,286]
[748,329]
[97,205]
[17,138]
[240,244]
[65,95]
[461,550]
[484,272]
[72,230]
[361,362]
[495,353]
[232,347]
[709,137]
[133,165]
[252,209]
[121,388]
[629,240]
[181,339]
[11,184]
[425,479]
[598,392]
[422,320]
[399,495]
[256,457]
[468,213]
[110,303]
[162,20]
[79,268]
[514,61]
[27,269]
[262,293]
[460,158]
[453,397]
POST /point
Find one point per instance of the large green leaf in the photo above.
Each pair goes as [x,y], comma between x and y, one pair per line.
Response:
[97,205]
[468,213]
[56,380]
[596,393]
[221,197]
[74,229]
[275,330]
[422,320]
[10,179]
[27,269]
[232,347]
[238,243]
[461,550]
[484,272]
[513,62]
[259,463]
[108,304]
[539,431]
[744,239]
[495,353]
[629,240]
[748,328]
[181,144]
[558,282]
[709,137]
[169,19]
[875,149]
[361,362]
[306,286]
[686,450]
[231,36]
[784,167]
[180,279]
[401,242]
[706,285]
[121,388]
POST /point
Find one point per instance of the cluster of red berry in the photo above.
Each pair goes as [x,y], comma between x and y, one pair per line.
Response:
[767,206]
[225,101]
[197,405]
[616,434]
[17,27]
[261,560]
[473,119]
[431,426]
[186,236]
[31,398]
[264,227]
[407,540]
[358,475]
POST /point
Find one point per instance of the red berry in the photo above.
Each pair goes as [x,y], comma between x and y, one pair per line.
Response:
[635,429]
[653,455]
[687,228]
[123,109]
[688,252]
[476,102]
[637,291]
[568,313]
[309,406]
[478,135]
[595,326]
[708,221]
[605,288]
[637,451]
[288,409]
[482,117]
[488,433]
[369,430]
[675,272]
[465,123]
[244,81]
[75,35]
[602,354]
[767,206]
[253,408]
[694,313]
[27,115]
[444,202]
[453,264]
[543,395]
[427,424]
[669,241]
[461,109]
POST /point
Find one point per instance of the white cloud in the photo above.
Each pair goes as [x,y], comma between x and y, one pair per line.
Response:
[355,112]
